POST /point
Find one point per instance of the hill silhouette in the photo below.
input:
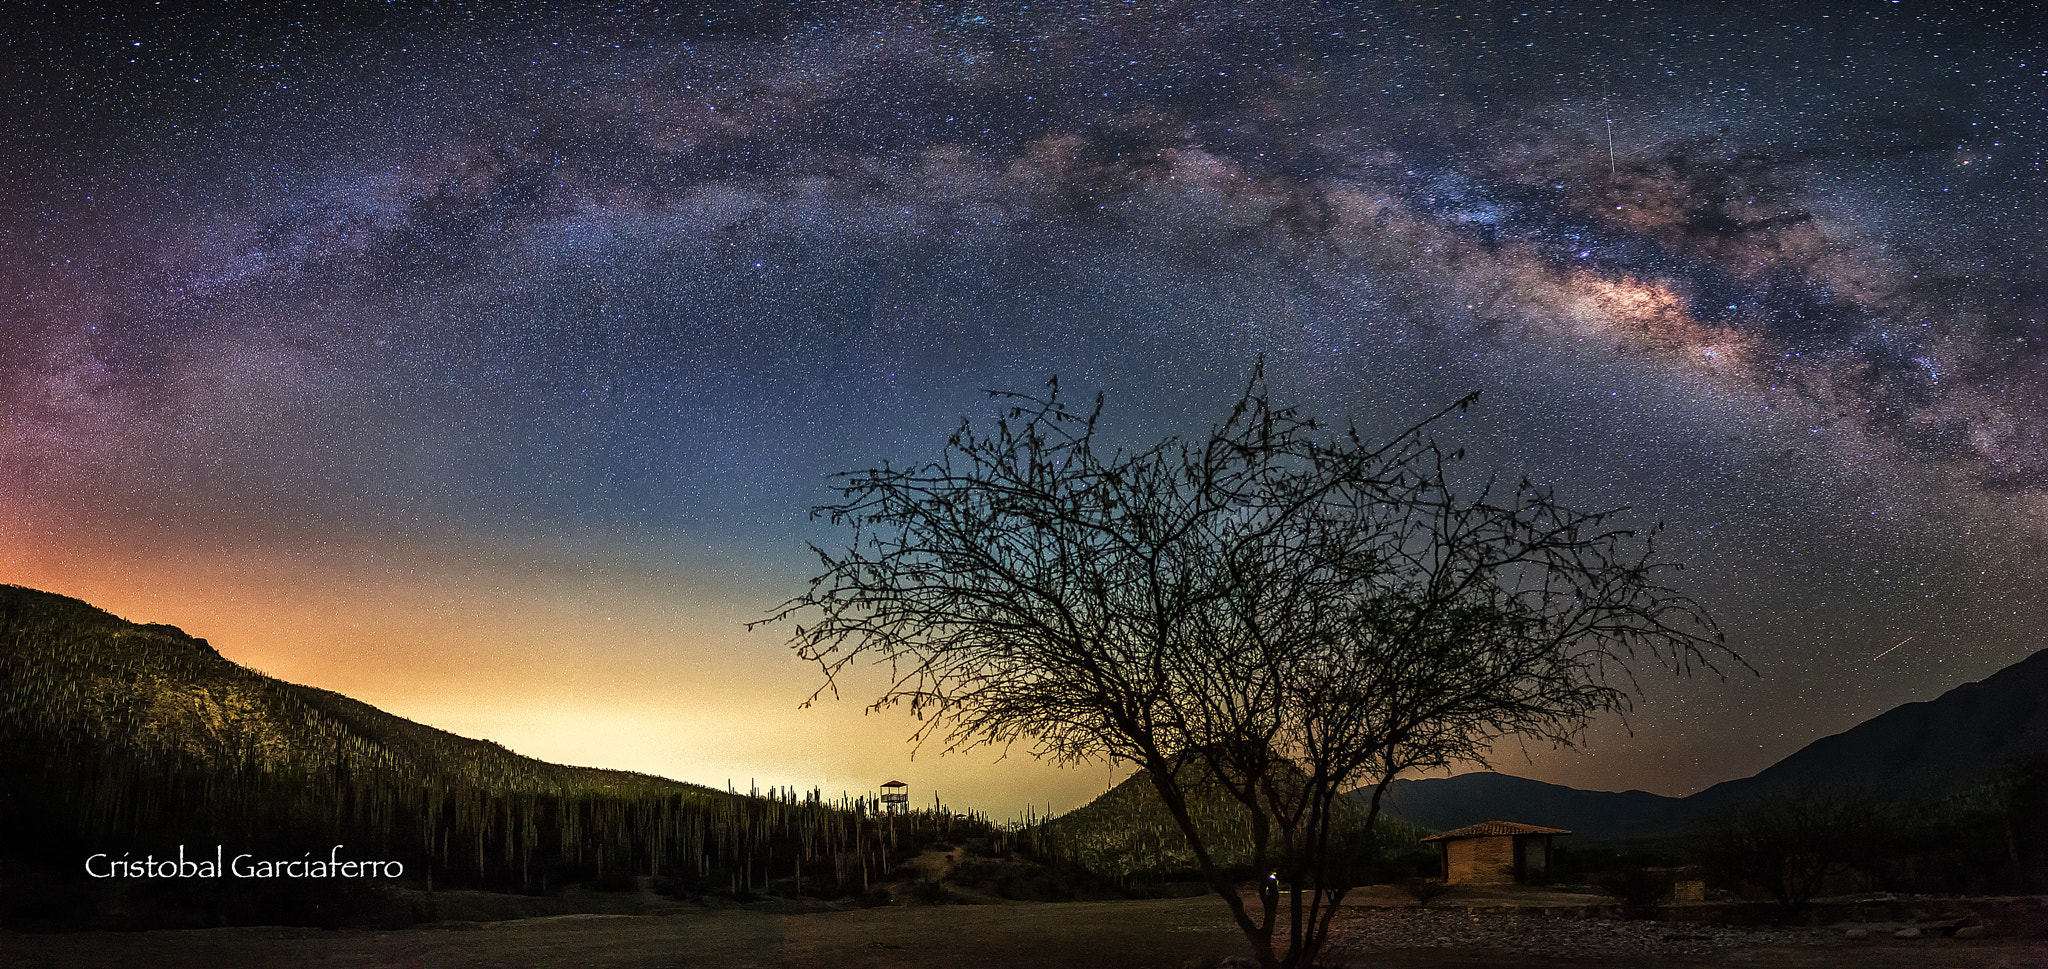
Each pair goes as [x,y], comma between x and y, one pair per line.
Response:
[1956,739]
[1442,804]
[76,677]
[1127,834]
[1917,750]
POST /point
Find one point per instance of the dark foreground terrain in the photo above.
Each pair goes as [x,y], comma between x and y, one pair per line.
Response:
[1166,933]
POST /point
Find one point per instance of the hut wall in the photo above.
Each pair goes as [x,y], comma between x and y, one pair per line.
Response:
[1486,861]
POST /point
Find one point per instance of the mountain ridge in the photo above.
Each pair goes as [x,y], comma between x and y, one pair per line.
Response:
[1968,729]
[77,676]
[1916,749]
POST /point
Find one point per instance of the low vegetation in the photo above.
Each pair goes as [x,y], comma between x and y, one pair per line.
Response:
[1800,845]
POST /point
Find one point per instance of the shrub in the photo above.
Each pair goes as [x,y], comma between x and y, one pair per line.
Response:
[1638,888]
[1425,889]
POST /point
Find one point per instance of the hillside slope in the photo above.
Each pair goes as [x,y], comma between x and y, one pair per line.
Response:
[1957,738]
[75,677]
[1127,832]
[1916,750]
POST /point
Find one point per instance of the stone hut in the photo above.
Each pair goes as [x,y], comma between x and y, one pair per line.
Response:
[1494,852]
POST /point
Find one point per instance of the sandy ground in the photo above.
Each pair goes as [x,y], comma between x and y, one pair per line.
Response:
[1166,934]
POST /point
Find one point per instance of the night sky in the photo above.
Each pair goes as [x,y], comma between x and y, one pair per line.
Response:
[485,366]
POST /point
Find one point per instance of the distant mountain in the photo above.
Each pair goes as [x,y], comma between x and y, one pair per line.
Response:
[1959,738]
[75,677]
[1441,804]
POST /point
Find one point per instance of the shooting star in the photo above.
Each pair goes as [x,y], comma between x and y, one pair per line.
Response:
[1887,652]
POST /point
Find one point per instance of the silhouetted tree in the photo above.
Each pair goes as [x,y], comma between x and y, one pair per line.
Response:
[1790,843]
[2026,805]
[1279,610]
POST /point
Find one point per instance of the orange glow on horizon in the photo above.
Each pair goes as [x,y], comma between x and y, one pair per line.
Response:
[630,670]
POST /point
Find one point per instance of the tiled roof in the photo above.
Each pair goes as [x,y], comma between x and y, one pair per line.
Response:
[1492,828]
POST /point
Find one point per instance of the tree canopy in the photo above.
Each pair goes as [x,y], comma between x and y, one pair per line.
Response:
[1281,609]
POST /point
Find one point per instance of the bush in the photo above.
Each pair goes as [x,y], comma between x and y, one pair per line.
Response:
[1793,843]
[1638,888]
[1425,889]
[930,891]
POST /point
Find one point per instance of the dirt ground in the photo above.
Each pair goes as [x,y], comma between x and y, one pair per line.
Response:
[1165,934]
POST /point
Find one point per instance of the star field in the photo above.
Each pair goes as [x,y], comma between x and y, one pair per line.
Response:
[484,365]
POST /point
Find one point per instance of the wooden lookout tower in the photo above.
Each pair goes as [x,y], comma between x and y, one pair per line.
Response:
[895,797]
